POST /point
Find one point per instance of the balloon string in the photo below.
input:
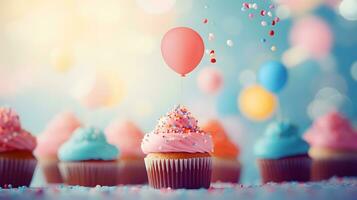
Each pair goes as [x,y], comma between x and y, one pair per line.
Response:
[181,90]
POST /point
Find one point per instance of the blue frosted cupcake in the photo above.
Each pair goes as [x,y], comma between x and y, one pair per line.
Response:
[87,159]
[282,154]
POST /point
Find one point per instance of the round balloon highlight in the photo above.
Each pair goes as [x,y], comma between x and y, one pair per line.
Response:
[182,49]
[210,80]
[256,103]
[273,76]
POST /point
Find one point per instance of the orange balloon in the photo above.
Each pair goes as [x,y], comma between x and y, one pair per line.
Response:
[256,103]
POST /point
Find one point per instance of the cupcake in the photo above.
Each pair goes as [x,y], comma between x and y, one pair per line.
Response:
[333,149]
[17,162]
[55,134]
[87,159]
[225,165]
[126,136]
[282,154]
[178,152]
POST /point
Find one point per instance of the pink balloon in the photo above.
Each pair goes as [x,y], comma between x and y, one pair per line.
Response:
[210,80]
[312,34]
[182,49]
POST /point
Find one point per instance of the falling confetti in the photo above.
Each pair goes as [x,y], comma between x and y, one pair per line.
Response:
[205,21]
[211,36]
[265,12]
[271,33]
[273,48]
[212,56]
[230,43]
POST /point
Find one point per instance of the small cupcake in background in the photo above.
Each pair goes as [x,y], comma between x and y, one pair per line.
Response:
[333,143]
[126,136]
[225,165]
[282,154]
[17,162]
[178,152]
[87,159]
[58,130]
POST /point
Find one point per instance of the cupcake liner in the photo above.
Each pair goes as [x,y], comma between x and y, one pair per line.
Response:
[285,169]
[325,169]
[89,174]
[51,171]
[17,172]
[191,173]
[132,172]
[224,170]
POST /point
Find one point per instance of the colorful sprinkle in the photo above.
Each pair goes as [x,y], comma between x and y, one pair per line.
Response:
[271,33]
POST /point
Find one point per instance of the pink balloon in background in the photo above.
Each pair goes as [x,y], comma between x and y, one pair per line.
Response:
[313,35]
[182,49]
[210,80]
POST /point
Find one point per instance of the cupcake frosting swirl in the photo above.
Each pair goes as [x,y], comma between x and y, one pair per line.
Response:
[332,131]
[12,136]
[223,146]
[127,137]
[87,144]
[281,139]
[177,131]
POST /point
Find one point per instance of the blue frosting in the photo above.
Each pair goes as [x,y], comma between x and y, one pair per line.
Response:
[281,139]
[87,144]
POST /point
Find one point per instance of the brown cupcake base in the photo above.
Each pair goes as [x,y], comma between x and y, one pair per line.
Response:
[16,170]
[296,168]
[89,173]
[225,170]
[188,173]
[132,172]
[325,169]
[51,171]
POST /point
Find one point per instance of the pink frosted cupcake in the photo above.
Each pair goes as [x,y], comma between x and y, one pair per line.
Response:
[17,163]
[178,152]
[126,136]
[55,134]
[333,149]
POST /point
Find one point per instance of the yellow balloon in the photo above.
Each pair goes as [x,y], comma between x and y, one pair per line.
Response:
[256,103]
[62,60]
[116,88]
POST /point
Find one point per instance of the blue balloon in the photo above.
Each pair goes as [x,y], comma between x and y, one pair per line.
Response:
[273,76]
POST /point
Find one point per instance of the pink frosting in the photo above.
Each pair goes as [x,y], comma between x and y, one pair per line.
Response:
[126,136]
[12,136]
[177,132]
[59,130]
[332,131]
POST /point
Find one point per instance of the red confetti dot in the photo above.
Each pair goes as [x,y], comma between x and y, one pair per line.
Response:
[262,12]
[213,60]
[205,21]
[273,23]
[271,33]
[246,5]
[211,52]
